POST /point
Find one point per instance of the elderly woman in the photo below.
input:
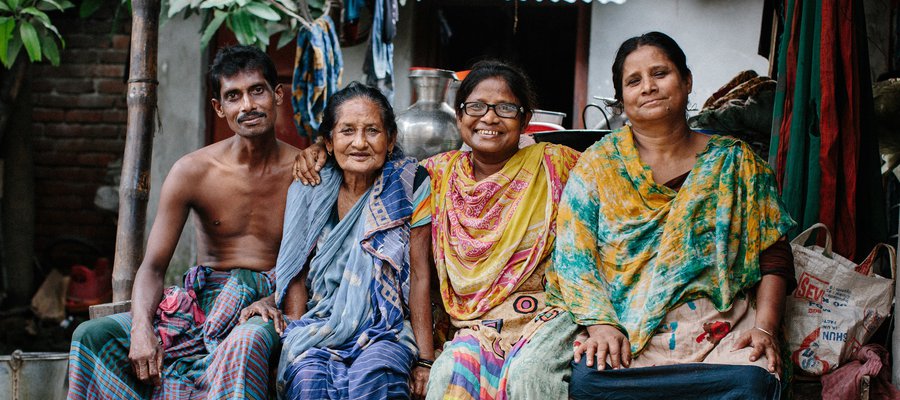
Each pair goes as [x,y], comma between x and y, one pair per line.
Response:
[669,249]
[485,221]
[342,271]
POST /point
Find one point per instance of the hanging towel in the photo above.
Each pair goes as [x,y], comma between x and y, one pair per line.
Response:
[379,63]
[351,10]
[318,67]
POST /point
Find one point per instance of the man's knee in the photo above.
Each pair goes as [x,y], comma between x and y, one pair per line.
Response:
[98,332]
[256,333]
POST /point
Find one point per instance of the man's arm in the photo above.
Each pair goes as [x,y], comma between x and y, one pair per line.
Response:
[174,205]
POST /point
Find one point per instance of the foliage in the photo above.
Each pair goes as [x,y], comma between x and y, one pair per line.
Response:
[25,24]
[89,7]
[253,22]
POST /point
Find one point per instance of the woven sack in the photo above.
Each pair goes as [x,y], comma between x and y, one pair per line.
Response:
[837,305]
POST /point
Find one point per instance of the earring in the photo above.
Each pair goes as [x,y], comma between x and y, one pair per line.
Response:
[328,152]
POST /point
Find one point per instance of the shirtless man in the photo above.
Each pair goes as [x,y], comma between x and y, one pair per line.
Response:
[188,343]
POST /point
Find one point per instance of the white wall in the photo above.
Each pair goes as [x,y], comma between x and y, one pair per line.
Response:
[719,37]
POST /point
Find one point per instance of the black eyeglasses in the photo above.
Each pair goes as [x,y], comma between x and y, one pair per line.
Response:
[503,110]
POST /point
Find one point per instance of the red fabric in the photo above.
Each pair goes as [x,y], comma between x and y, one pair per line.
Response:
[870,360]
[839,124]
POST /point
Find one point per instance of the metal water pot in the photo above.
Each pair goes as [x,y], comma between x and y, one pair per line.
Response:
[428,127]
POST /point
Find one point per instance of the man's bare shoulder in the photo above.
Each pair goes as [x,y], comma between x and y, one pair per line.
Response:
[289,152]
[198,163]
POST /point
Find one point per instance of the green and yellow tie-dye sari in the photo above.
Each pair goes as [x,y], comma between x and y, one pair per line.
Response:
[629,250]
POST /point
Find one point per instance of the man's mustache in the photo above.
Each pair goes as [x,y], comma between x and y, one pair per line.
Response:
[250,115]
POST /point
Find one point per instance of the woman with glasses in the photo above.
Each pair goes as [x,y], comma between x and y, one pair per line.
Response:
[485,222]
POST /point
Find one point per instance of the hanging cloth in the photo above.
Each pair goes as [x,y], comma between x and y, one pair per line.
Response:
[351,10]
[379,63]
[318,67]
[824,152]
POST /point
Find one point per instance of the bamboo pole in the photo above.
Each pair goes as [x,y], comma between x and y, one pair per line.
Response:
[134,189]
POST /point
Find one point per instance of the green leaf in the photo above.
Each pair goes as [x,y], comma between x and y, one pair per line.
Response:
[213,27]
[10,27]
[285,38]
[175,6]
[4,7]
[239,22]
[38,15]
[289,4]
[48,45]
[263,11]
[89,7]
[50,5]
[5,37]
[13,4]
[43,18]
[15,47]
[216,3]
[30,40]
[317,5]
[260,31]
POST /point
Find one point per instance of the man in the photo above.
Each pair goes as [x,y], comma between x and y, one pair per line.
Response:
[189,343]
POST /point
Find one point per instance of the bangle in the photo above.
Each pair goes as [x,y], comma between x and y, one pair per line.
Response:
[764,331]
[424,363]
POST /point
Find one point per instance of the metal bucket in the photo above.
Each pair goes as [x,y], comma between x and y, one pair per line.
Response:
[27,376]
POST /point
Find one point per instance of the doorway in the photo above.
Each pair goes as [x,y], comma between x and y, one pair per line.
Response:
[549,41]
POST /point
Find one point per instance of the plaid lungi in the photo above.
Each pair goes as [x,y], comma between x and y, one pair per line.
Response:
[207,354]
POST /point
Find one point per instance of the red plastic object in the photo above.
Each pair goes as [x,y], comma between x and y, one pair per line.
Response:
[89,286]
[536,127]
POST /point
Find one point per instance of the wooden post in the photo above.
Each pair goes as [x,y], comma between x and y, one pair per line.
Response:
[134,189]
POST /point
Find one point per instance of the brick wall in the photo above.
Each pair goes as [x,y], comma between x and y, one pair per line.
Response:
[79,120]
